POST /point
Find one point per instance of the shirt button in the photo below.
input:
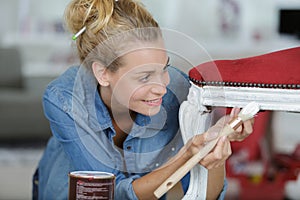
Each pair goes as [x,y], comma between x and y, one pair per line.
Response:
[128,148]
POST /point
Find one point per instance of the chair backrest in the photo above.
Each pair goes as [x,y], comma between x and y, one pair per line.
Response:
[10,67]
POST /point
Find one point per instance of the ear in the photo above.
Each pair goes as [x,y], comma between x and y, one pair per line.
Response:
[101,73]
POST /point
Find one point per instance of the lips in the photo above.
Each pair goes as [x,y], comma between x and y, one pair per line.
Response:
[154,102]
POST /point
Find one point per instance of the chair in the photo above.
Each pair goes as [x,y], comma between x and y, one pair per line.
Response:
[272,80]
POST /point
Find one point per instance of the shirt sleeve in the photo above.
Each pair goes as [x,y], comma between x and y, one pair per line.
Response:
[58,111]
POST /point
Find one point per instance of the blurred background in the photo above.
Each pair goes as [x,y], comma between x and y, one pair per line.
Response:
[35,48]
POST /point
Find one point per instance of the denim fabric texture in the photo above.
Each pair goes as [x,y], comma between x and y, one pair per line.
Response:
[83,135]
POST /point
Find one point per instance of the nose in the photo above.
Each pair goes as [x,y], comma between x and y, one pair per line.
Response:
[161,85]
[159,89]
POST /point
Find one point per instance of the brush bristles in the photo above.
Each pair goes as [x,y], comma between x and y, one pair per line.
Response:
[249,111]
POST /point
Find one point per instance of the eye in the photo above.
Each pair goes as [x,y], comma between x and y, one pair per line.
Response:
[145,78]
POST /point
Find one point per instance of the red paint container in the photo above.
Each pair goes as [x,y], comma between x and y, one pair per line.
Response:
[91,185]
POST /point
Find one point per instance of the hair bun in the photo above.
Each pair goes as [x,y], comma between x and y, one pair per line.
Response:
[94,14]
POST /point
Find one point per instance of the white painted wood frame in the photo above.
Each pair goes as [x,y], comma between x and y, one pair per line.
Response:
[194,116]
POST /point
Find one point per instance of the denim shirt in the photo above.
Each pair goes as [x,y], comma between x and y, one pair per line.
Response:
[83,135]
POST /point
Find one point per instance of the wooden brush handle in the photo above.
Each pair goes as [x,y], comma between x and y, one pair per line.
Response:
[187,166]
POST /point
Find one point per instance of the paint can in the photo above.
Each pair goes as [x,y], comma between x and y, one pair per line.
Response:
[91,185]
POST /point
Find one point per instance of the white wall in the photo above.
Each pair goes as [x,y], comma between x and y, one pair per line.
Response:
[8,16]
[18,15]
[192,17]
[202,18]
[256,25]
[30,25]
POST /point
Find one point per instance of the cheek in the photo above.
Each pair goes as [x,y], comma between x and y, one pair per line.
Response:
[127,93]
[139,93]
[123,94]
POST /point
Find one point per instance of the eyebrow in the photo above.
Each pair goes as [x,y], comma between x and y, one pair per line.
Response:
[168,61]
[153,71]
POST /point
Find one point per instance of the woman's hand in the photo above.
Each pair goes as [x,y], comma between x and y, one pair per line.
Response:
[241,132]
[217,156]
[244,130]
[222,150]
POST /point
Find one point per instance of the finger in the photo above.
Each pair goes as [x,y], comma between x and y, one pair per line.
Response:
[216,156]
[227,147]
[218,150]
[248,126]
[239,129]
[237,136]
[226,153]
[234,112]
[199,140]
[208,161]
[210,135]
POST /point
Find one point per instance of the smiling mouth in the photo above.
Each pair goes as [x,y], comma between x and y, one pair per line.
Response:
[154,102]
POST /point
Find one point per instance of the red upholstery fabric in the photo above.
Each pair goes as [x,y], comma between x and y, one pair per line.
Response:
[280,67]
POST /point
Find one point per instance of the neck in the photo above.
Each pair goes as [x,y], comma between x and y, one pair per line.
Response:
[122,117]
[122,124]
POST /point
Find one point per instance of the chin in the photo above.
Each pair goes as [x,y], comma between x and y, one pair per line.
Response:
[150,112]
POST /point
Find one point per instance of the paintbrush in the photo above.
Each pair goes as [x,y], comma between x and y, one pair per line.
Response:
[248,112]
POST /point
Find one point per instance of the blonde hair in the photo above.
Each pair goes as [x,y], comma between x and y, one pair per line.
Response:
[104,20]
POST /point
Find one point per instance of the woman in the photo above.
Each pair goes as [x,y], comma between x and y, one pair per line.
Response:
[118,111]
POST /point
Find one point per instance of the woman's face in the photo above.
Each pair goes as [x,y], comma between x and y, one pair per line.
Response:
[140,83]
